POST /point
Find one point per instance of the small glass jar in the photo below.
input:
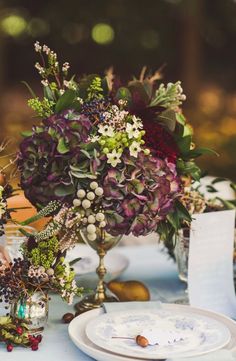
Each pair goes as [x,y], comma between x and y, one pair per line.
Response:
[182,253]
[33,310]
[14,239]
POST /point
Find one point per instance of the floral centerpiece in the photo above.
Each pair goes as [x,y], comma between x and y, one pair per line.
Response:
[131,139]
[26,281]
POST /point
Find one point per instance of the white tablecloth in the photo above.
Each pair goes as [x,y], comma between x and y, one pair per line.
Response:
[147,264]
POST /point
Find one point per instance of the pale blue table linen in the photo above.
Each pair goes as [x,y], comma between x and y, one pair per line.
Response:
[147,264]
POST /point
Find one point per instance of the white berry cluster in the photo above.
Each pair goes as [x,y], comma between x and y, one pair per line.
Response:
[92,217]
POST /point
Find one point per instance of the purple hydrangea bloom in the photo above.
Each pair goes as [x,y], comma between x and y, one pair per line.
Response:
[141,194]
[44,158]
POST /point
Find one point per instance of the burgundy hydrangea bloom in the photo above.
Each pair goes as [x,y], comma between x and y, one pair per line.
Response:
[45,157]
[141,194]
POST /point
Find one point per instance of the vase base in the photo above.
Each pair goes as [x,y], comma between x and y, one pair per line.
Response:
[90,303]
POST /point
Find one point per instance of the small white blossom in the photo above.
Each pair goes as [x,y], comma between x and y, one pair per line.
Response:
[45,82]
[137,122]
[65,67]
[37,47]
[40,69]
[132,131]
[80,100]
[94,139]
[62,91]
[69,85]
[106,130]
[134,149]
[113,158]
[54,56]
[46,49]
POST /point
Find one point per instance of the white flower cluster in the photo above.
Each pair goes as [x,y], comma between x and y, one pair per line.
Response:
[120,130]
[170,96]
[38,272]
[37,47]
[45,82]
[65,67]
[66,293]
[40,68]
[69,84]
[89,217]
[115,117]
[52,59]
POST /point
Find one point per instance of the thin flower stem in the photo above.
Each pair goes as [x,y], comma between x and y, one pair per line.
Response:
[7,155]
[57,80]
[43,61]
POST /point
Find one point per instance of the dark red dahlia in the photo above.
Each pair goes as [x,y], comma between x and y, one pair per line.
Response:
[160,141]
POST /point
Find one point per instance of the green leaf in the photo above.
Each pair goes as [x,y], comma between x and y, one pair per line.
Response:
[179,131]
[52,132]
[74,261]
[233,186]
[26,133]
[105,86]
[184,144]
[194,153]
[64,190]
[48,93]
[168,118]
[211,189]
[76,106]
[32,93]
[86,153]
[218,179]
[182,211]
[189,168]
[174,220]
[65,101]
[84,84]
[83,175]
[227,204]
[38,130]
[62,147]
[180,118]
[25,233]
[124,94]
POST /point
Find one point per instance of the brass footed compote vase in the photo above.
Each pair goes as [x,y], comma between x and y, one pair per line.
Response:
[103,243]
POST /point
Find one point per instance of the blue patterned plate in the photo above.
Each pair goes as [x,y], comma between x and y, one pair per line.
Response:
[170,334]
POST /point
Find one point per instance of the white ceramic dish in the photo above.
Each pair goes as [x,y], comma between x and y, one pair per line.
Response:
[115,263]
[78,335]
[178,334]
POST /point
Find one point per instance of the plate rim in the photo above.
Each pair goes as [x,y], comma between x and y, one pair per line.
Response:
[225,333]
[92,350]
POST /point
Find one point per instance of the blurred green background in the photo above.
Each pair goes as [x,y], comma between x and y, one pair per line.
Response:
[194,38]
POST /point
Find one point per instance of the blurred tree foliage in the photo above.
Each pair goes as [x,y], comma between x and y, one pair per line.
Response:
[194,38]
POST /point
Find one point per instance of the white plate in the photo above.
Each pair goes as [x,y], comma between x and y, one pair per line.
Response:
[115,262]
[180,334]
[78,335]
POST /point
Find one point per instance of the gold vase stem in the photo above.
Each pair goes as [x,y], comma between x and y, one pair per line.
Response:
[95,300]
[101,271]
